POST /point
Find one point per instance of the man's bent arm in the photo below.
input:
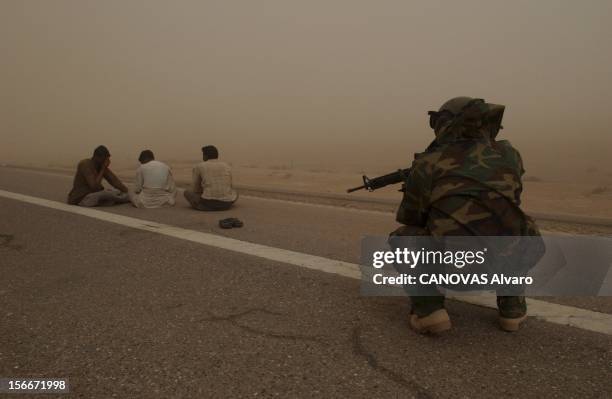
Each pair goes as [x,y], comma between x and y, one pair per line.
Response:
[139,181]
[114,181]
[196,185]
[170,184]
[415,202]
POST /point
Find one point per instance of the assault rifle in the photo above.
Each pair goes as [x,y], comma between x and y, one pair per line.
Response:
[386,180]
[382,181]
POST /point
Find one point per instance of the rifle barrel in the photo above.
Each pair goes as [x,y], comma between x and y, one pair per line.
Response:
[350,190]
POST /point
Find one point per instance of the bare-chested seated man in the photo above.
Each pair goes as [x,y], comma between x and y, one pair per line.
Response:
[87,189]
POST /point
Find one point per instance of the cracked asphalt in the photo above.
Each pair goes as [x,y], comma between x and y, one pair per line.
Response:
[133,314]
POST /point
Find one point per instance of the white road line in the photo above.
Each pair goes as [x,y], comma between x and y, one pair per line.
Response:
[271,253]
[554,313]
[606,285]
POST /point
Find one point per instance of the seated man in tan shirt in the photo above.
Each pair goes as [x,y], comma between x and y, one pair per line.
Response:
[212,183]
[87,189]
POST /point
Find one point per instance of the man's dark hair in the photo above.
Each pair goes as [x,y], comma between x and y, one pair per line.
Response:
[146,156]
[101,152]
[210,152]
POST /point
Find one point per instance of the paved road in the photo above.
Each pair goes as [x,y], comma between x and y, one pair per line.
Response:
[130,313]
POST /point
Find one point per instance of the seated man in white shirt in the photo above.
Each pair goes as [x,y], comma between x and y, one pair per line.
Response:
[154,186]
[212,183]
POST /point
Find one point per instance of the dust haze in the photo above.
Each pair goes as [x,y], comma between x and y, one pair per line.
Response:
[338,85]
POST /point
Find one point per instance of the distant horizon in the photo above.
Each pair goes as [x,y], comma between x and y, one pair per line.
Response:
[588,176]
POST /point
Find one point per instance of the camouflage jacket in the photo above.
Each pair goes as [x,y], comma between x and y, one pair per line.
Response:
[465,184]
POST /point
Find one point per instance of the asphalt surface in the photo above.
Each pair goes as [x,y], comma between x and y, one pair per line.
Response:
[132,314]
[323,230]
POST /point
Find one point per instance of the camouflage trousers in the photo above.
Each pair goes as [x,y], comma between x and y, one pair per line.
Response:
[508,306]
[427,298]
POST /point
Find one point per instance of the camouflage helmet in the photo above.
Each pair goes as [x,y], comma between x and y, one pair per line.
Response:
[456,105]
[469,109]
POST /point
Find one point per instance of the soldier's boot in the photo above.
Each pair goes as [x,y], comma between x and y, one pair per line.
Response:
[434,323]
[428,315]
[512,312]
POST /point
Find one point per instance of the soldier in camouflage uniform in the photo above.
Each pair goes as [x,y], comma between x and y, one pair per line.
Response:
[466,183]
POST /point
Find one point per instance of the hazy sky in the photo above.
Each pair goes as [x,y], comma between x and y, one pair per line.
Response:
[343,83]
